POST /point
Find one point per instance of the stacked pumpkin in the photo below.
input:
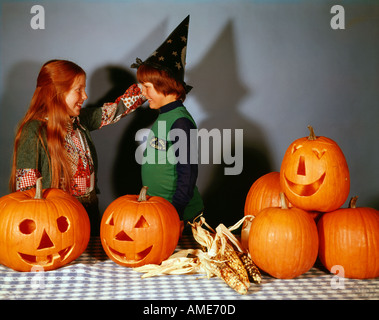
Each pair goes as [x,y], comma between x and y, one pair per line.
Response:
[284,240]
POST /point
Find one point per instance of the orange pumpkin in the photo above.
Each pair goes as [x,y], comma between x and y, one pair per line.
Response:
[41,228]
[349,237]
[263,193]
[283,242]
[314,174]
[138,230]
[315,215]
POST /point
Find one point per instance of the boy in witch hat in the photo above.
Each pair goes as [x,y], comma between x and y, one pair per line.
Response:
[168,170]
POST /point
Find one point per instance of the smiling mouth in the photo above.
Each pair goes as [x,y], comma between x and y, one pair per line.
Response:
[306,190]
[130,257]
[46,260]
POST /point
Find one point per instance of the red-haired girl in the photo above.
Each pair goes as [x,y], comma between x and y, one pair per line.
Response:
[53,140]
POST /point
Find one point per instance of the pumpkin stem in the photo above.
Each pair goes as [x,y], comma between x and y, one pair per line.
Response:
[142,194]
[283,200]
[353,202]
[312,135]
[38,195]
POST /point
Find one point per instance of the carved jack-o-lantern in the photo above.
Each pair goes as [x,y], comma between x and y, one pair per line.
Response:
[47,229]
[314,174]
[138,230]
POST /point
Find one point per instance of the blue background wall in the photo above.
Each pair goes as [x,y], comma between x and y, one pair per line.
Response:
[267,67]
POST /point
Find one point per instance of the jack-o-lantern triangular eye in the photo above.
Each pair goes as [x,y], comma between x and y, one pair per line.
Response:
[110,220]
[142,223]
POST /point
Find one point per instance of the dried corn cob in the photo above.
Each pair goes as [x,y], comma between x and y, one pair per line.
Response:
[224,272]
[234,262]
[251,268]
[232,279]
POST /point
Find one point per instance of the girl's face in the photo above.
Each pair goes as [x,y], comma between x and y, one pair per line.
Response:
[156,99]
[76,96]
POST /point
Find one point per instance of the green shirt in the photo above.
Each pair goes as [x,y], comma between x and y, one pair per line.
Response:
[159,172]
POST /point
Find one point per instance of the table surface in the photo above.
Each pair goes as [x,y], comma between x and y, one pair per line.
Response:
[94,276]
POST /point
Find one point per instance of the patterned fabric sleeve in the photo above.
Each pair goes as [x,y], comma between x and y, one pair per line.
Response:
[26,178]
[125,104]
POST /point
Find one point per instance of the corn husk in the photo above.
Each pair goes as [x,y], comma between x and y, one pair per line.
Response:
[219,257]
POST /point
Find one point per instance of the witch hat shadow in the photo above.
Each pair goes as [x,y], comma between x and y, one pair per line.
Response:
[220,92]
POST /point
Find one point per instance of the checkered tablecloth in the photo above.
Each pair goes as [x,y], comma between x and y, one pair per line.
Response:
[94,276]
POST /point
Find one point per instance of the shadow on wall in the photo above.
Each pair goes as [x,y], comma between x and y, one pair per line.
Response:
[219,90]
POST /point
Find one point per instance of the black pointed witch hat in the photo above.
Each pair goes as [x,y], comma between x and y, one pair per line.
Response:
[171,55]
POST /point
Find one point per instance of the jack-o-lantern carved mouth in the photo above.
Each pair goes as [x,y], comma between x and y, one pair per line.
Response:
[47,259]
[306,190]
[130,257]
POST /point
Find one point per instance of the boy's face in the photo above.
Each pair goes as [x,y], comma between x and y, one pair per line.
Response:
[156,99]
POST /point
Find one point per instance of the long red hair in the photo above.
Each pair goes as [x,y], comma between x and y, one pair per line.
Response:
[48,105]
